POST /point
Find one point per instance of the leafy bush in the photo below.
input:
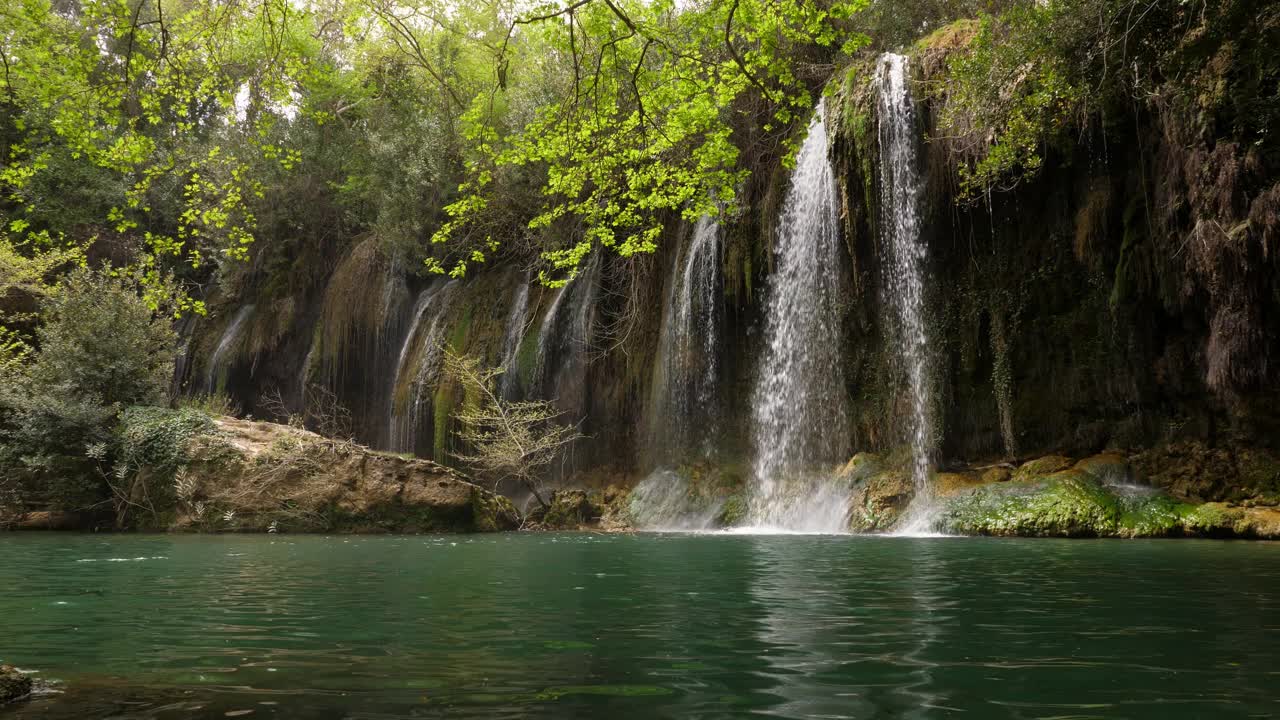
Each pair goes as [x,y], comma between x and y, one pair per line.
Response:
[101,348]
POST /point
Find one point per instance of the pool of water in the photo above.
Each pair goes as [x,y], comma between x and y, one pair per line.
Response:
[643,626]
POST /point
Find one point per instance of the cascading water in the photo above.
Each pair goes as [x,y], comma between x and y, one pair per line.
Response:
[900,198]
[683,401]
[509,381]
[565,338]
[431,352]
[399,422]
[800,420]
[682,407]
[229,338]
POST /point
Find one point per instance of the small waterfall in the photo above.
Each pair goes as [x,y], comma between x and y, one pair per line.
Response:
[430,356]
[565,339]
[230,337]
[399,423]
[304,377]
[683,403]
[509,381]
[900,199]
[799,413]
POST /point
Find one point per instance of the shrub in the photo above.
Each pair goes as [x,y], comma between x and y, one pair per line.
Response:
[100,349]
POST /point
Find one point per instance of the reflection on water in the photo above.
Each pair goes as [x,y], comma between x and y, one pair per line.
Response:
[649,626]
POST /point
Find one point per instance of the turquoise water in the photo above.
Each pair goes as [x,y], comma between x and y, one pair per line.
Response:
[647,626]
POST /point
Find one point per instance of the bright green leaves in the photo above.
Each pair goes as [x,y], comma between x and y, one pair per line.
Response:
[638,124]
[1006,95]
[169,101]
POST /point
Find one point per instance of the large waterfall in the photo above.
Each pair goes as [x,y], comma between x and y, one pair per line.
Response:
[900,198]
[800,420]
[683,405]
[230,337]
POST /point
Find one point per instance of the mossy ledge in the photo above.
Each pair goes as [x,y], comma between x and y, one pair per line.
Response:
[1094,498]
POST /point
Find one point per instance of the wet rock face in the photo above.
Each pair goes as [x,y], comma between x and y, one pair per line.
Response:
[13,684]
[1195,472]
[880,492]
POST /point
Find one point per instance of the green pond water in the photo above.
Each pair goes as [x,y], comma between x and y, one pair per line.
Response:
[646,626]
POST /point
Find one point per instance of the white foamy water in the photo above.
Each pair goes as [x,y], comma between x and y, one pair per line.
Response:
[799,409]
[900,212]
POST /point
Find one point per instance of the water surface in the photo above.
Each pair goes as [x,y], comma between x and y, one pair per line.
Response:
[648,626]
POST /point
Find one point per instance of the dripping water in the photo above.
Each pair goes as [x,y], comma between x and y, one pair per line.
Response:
[509,381]
[565,338]
[399,430]
[230,337]
[900,212]
[683,404]
[800,420]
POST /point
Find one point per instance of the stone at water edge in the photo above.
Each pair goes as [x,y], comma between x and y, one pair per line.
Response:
[13,684]
[996,474]
[1107,467]
[1041,467]
[569,510]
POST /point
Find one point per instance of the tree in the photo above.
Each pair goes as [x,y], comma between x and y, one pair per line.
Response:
[508,440]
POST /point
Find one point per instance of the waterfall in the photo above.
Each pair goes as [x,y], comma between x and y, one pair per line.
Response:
[682,407]
[401,425]
[900,199]
[565,339]
[304,377]
[799,415]
[230,337]
[509,381]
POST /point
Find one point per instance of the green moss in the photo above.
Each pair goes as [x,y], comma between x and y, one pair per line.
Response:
[442,411]
[1212,519]
[527,355]
[461,328]
[1154,515]
[1068,504]
[492,512]
[733,511]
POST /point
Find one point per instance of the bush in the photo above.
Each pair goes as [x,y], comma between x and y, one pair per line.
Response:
[100,349]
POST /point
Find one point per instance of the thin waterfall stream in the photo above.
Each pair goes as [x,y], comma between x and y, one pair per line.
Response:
[399,423]
[683,403]
[900,205]
[509,381]
[229,338]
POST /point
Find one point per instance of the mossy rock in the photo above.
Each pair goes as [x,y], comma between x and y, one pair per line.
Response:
[492,512]
[733,511]
[996,474]
[569,510]
[1259,472]
[13,684]
[1065,504]
[861,466]
[1212,520]
[1152,515]
[1107,467]
[877,502]
[1041,467]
